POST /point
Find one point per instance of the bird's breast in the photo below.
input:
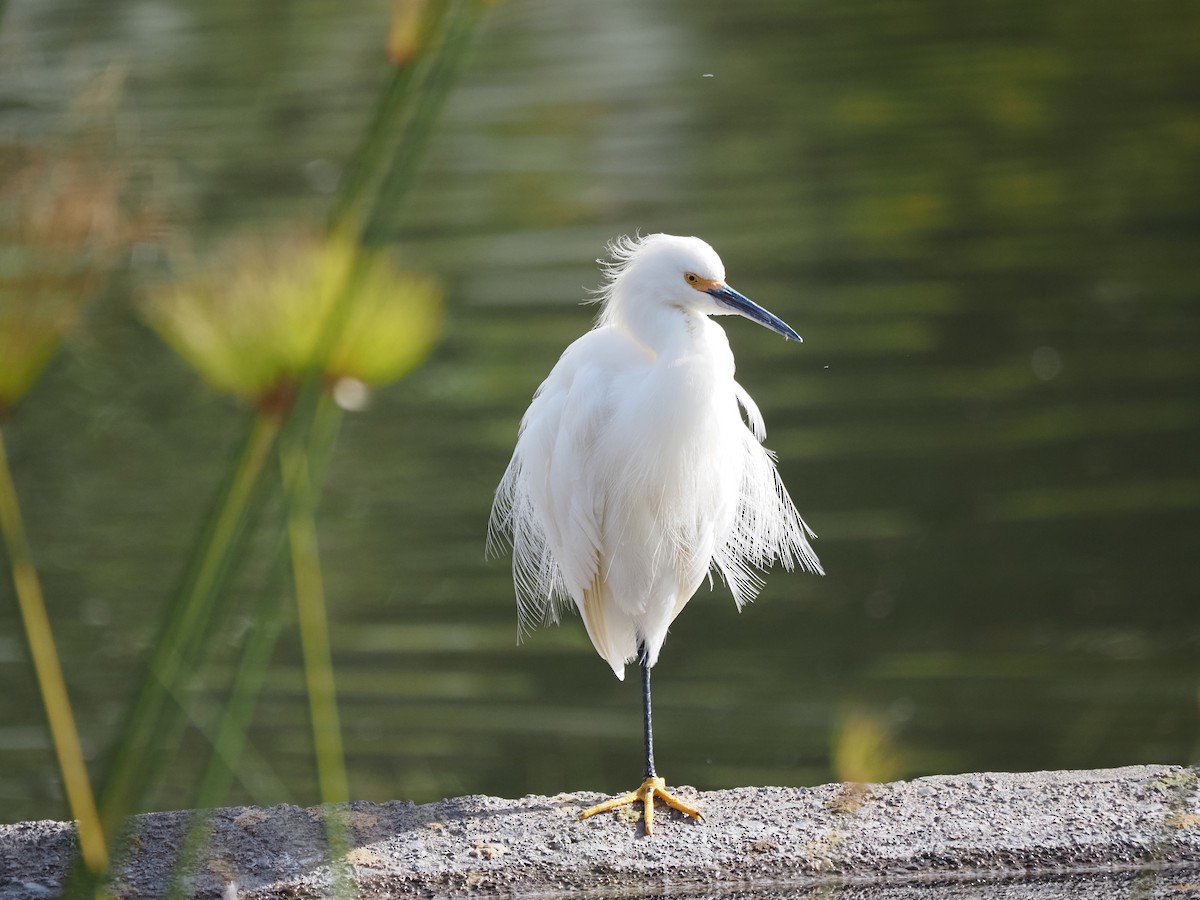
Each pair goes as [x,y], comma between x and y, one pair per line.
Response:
[676,438]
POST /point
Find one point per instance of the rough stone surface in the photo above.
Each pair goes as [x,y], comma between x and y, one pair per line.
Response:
[1110,833]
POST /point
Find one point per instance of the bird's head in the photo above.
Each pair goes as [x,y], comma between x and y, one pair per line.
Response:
[680,272]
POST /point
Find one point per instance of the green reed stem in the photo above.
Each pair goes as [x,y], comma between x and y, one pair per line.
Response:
[129,776]
[315,418]
[387,161]
[42,651]
[373,188]
[303,466]
[230,739]
[382,173]
[314,626]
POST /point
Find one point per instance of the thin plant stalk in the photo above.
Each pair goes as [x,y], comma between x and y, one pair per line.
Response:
[387,162]
[308,584]
[447,58]
[92,846]
[128,778]
[314,627]
[230,739]
[383,173]
[361,182]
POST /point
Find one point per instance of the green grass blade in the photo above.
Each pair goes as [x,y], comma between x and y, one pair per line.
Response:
[229,738]
[387,161]
[229,742]
[314,626]
[440,66]
[92,845]
[127,782]
[301,490]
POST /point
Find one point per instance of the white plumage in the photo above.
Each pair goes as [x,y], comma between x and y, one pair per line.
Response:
[635,473]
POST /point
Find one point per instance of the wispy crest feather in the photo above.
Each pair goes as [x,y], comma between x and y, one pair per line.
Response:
[622,250]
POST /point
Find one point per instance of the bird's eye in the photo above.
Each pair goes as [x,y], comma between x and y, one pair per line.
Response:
[692,278]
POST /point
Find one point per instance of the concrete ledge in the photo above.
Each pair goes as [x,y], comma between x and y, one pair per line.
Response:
[1044,835]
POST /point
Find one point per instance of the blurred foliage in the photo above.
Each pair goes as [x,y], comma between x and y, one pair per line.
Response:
[43,653]
[864,749]
[61,227]
[428,45]
[394,318]
[253,322]
[276,319]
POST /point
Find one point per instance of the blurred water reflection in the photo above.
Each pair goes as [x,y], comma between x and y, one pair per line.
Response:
[984,223]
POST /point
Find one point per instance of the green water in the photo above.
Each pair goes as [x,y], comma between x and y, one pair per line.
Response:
[985,223]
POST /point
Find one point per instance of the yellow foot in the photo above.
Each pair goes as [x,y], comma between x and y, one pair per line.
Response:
[652,787]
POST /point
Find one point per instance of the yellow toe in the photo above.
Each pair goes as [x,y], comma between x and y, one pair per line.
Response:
[610,804]
[652,787]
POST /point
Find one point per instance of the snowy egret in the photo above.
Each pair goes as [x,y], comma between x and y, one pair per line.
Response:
[635,474]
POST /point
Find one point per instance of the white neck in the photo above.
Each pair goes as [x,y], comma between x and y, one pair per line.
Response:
[661,328]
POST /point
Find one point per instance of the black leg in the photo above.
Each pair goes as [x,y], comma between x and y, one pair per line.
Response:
[653,786]
[649,730]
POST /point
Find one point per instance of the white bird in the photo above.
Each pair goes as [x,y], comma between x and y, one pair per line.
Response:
[635,473]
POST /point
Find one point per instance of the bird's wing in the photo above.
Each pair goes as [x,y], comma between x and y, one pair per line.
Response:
[767,526]
[551,501]
[754,418]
